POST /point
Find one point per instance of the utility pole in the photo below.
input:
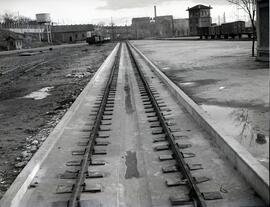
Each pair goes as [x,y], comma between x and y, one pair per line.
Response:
[18,18]
[136,31]
[238,17]
[112,29]
[126,30]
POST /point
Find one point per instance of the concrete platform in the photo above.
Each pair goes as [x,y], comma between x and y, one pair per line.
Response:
[255,174]
[18,189]
[225,81]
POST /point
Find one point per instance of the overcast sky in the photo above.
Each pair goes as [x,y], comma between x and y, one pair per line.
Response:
[121,11]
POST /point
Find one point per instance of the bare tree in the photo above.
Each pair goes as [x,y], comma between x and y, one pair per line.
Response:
[8,18]
[24,20]
[249,6]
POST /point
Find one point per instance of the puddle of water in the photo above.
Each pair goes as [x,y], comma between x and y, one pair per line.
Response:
[131,163]
[221,88]
[237,122]
[128,104]
[40,94]
[187,84]
[166,68]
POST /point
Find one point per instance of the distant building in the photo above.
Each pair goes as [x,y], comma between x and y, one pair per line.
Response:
[263,30]
[115,32]
[141,27]
[70,33]
[145,27]
[164,26]
[199,16]
[181,27]
[122,32]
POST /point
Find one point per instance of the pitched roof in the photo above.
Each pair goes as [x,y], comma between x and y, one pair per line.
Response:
[199,6]
[164,17]
[6,34]
[73,28]
[140,18]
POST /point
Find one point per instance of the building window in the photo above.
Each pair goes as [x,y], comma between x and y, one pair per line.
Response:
[82,35]
[76,36]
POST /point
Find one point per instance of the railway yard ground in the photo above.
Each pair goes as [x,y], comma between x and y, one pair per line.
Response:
[26,116]
[132,137]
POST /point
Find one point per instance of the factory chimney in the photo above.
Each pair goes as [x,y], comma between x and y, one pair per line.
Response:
[155,11]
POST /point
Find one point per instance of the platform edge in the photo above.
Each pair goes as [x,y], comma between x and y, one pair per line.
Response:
[18,188]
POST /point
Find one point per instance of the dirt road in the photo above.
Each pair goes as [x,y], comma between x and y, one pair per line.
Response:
[35,92]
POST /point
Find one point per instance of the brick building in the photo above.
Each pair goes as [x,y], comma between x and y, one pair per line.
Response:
[115,32]
[70,33]
[199,16]
[164,26]
[181,27]
[141,27]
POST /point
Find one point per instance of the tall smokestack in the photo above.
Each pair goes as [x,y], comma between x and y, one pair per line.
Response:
[155,11]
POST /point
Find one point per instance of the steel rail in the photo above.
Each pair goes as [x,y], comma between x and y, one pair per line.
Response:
[24,67]
[74,200]
[195,193]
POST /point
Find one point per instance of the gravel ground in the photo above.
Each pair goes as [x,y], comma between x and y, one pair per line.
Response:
[225,80]
[35,92]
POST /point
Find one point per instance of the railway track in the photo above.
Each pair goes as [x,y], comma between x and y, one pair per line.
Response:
[104,106]
[25,68]
[187,179]
[127,142]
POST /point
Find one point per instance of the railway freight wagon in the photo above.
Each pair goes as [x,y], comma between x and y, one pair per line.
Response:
[93,38]
[225,30]
[233,29]
[215,31]
[203,32]
[249,31]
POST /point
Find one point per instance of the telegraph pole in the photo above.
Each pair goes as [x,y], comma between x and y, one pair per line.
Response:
[112,29]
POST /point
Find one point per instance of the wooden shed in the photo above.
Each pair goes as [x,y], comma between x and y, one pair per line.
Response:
[14,42]
[10,40]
